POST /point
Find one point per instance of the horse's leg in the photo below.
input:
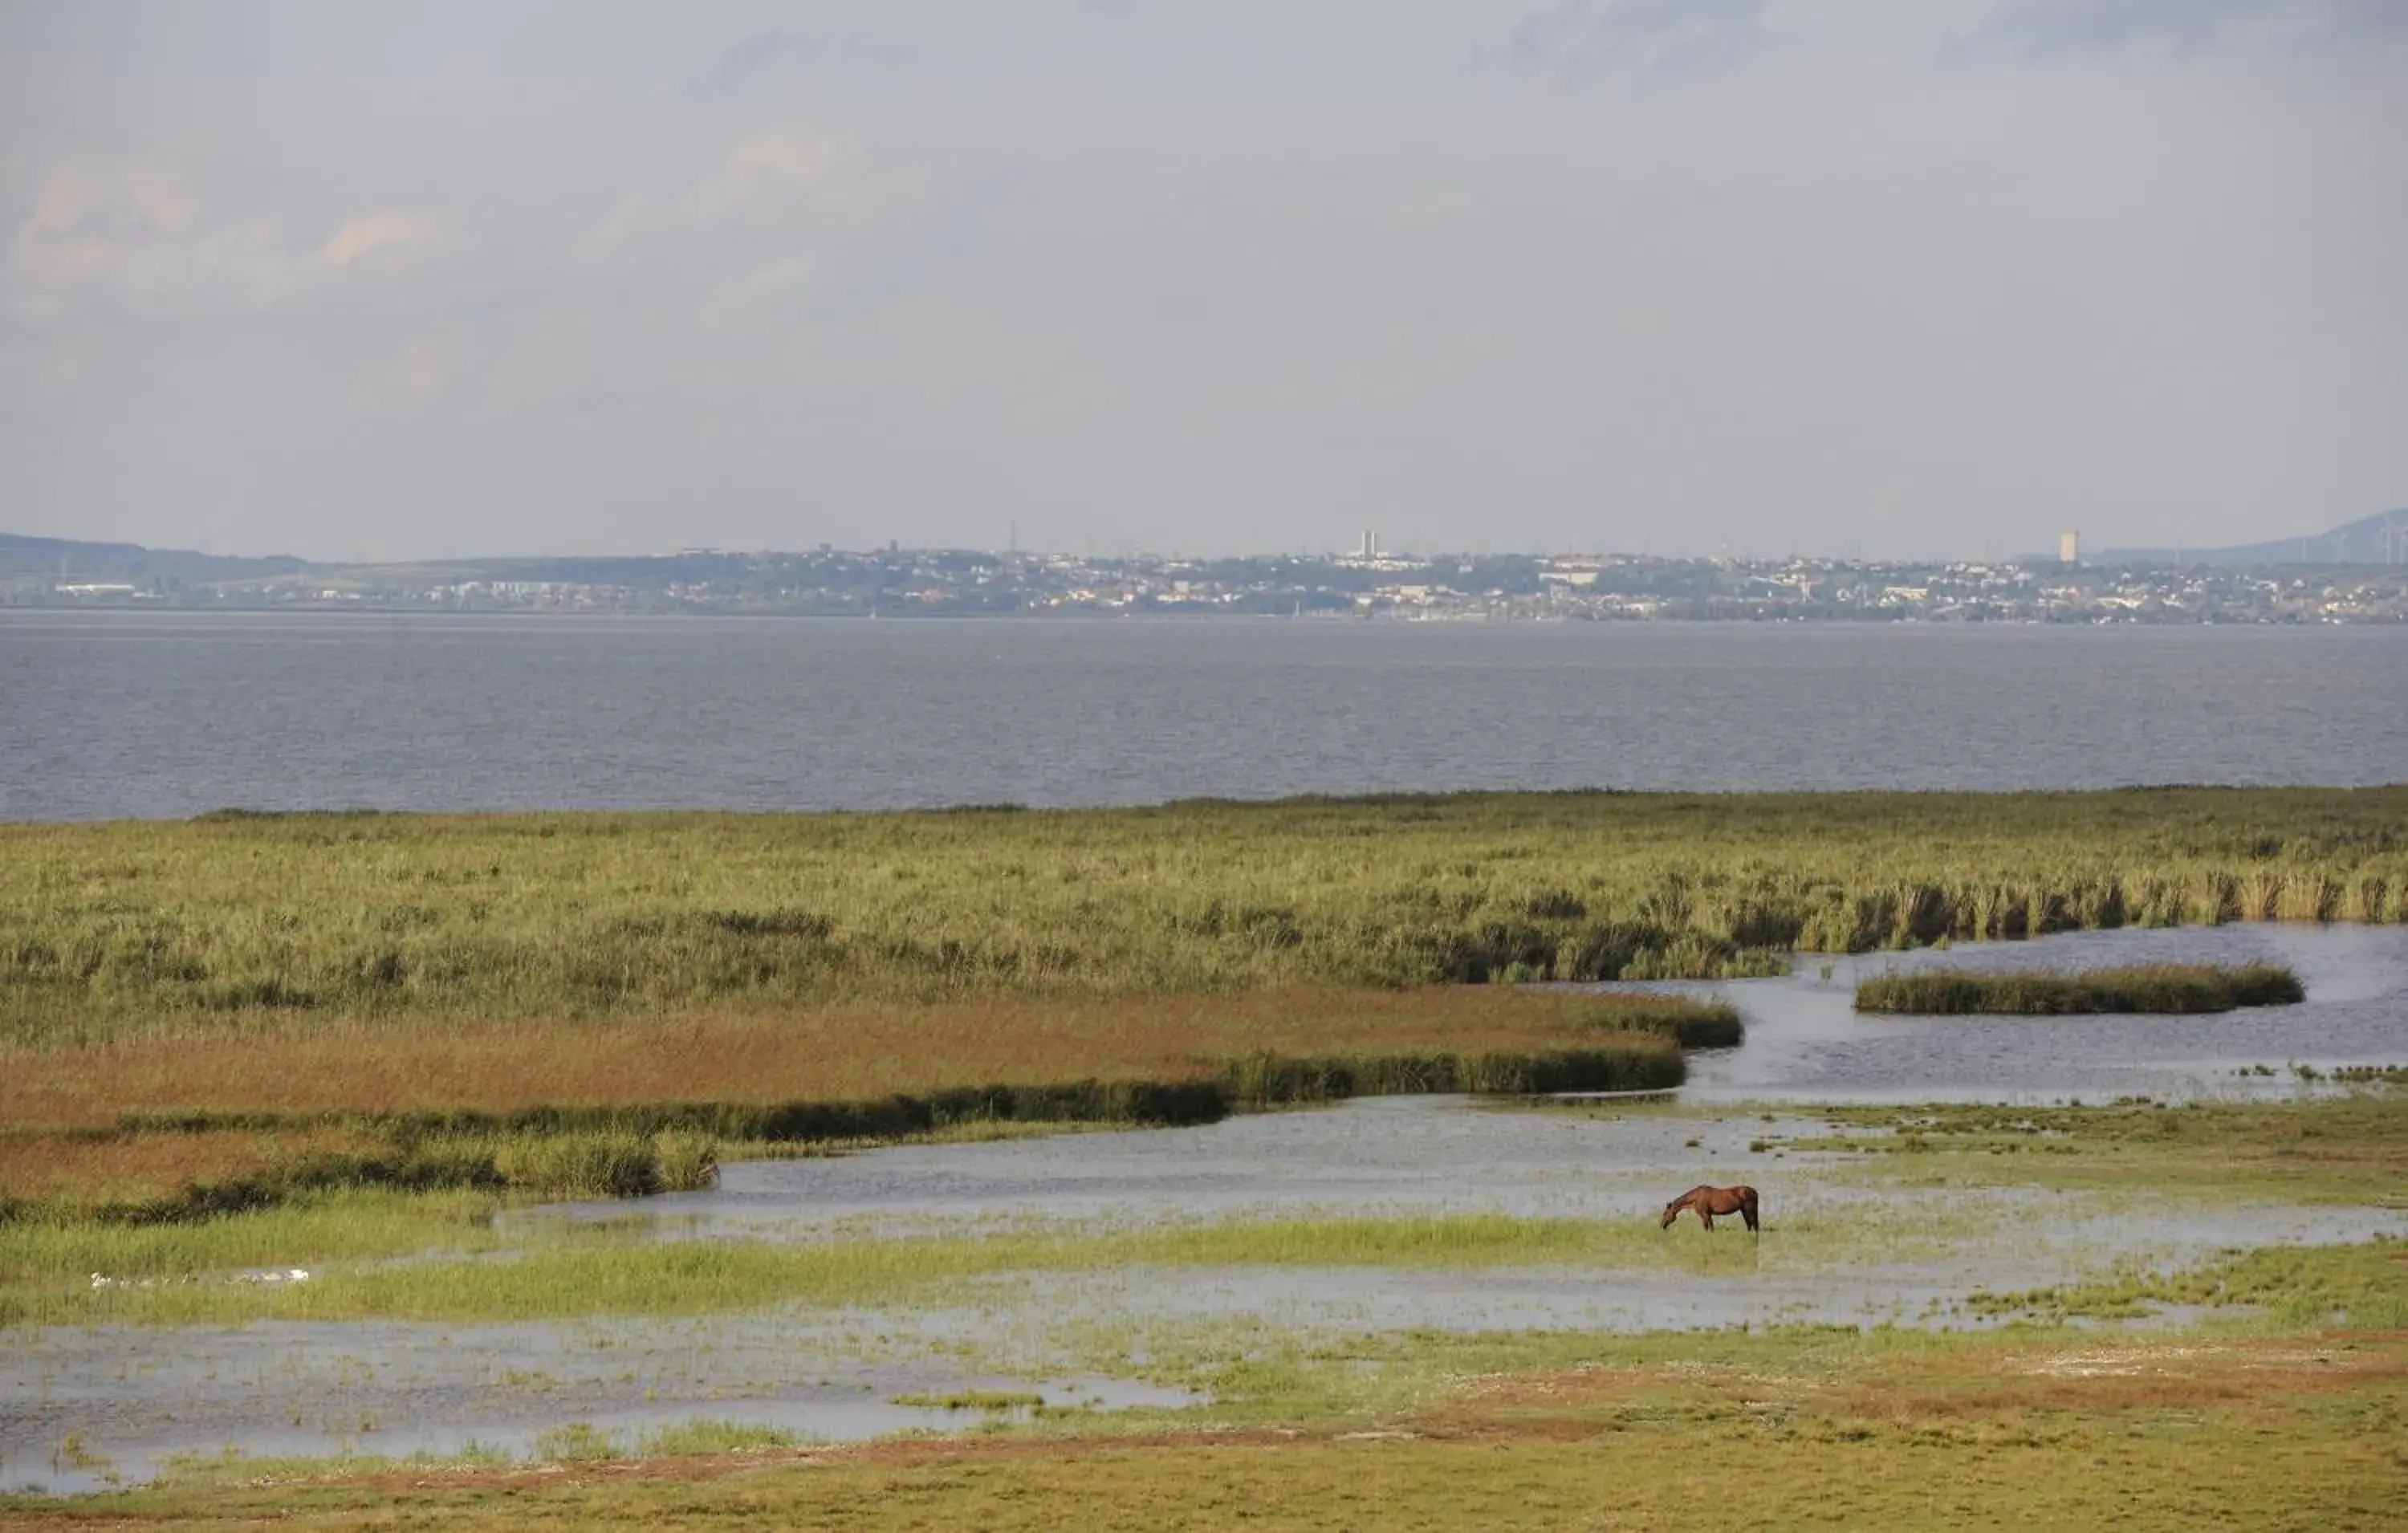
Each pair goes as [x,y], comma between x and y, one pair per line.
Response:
[1707,1214]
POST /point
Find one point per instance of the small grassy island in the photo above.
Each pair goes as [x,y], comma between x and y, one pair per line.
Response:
[2157,988]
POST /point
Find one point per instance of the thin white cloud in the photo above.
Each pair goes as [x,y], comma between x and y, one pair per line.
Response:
[389,233]
[765,174]
[134,233]
[1578,39]
[125,196]
[759,180]
[756,292]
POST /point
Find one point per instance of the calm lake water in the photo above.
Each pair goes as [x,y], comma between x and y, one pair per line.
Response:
[165,714]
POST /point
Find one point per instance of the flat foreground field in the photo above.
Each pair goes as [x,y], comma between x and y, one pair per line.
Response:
[2283,1432]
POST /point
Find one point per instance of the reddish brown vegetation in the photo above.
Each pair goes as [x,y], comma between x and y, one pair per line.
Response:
[854,1052]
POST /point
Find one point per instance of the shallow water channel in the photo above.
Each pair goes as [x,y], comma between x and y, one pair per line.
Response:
[1861,1248]
[135,1397]
[1805,1041]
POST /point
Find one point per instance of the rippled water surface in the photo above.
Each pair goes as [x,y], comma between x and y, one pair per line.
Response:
[1806,1042]
[169,714]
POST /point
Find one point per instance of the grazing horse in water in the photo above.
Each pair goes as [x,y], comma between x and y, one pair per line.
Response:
[1709,1201]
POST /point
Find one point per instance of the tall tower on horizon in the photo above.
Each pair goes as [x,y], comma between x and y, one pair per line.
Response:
[1371,544]
[2069,548]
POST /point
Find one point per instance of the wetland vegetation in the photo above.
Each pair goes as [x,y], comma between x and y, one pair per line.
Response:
[333,1041]
[368,923]
[2158,988]
[222,1014]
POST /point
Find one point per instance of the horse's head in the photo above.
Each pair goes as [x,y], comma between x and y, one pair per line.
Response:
[1671,1212]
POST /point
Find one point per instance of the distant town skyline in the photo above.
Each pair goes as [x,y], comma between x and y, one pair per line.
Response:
[1895,279]
[2378,540]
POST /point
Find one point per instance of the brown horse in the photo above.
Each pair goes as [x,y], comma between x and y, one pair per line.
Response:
[1709,1201]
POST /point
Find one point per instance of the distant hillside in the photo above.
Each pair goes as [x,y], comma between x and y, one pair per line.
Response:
[68,560]
[2378,540]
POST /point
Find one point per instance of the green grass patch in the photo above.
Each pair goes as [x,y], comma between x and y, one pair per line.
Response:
[597,1271]
[2350,1149]
[707,1435]
[47,1266]
[975,1399]
[2188,988]
[2361,1286]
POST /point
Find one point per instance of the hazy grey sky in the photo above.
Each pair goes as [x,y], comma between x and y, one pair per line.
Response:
[1903,277]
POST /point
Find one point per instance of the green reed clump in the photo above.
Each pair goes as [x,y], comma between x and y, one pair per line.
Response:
[569,1162]
[685,1162]
[578,1442]
[1709,1026]
[2156,988]
[579,1166]
[974,1399]
[1267,1078]
[707,1435]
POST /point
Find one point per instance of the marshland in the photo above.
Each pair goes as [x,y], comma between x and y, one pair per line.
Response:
[241,923]
[1210,1123]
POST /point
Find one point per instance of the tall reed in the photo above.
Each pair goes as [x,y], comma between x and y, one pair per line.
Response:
[278,923]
